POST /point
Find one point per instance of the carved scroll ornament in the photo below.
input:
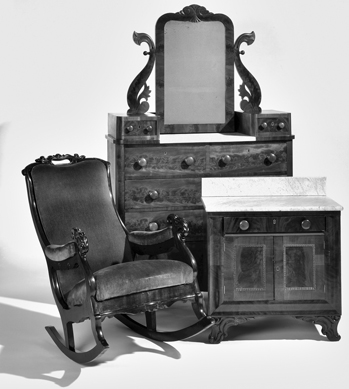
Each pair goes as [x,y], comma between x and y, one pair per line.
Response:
[137,100]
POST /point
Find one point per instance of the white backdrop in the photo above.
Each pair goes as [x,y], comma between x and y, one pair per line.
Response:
[64,64]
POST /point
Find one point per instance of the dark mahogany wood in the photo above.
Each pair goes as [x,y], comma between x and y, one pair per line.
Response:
[292,267]
[196,14]
[252,96]
[137,99]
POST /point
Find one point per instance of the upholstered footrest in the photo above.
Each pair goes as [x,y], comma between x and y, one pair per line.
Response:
[133,277]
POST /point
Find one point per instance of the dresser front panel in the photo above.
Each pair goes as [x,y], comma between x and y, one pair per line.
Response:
[165,161]
[163,193]
[248,159]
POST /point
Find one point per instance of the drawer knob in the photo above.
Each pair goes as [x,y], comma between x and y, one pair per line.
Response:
[153,194]
[153,226]
[281,125]
[129,128]
[226,159]
[264,125]
[306,224]
[270,159]
[189,161]
[148,129]
[244,225]
[142,162]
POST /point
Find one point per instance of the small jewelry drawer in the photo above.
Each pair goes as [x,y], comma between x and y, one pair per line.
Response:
[248,159]
[164,161]
[166,193]
[134,129]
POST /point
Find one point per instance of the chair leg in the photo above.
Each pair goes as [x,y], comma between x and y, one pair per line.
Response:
[67,346]
[185,333]
[151,320]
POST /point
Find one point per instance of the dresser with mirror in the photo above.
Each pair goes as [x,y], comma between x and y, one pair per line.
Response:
[159,158]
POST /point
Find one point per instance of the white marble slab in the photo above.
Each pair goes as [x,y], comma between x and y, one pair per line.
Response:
[204,138]
[269,204]
[263,186]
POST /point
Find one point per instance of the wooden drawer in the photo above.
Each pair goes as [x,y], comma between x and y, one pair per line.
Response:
[248,160]
[285,224]
[163,193]
[134,129]
[164,161]
[141,221]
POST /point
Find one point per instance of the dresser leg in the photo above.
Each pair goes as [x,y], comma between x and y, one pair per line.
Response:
[329,325]
[220,329]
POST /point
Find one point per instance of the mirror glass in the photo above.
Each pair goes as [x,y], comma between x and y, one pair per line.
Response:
[194,73]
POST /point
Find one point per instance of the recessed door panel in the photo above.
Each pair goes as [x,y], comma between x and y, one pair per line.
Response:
[248,270]
[299,267]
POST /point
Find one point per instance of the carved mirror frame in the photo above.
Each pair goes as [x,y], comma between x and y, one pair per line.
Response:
[195,14]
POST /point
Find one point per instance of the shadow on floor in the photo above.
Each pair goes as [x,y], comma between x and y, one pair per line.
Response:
[29,352]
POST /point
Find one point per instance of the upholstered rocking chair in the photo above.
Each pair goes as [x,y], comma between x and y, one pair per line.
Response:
[96,273]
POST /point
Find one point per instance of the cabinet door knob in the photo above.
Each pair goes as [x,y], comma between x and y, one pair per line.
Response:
[281,125]
[189,161]
[148,129]
[264,125]
[153,226]
[129,128]
[306,224]
[153,194]
[244,225]
[142,162]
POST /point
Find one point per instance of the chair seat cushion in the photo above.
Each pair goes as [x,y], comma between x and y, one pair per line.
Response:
[133,277]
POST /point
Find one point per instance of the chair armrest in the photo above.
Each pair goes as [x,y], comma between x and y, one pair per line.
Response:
[60,253]
[161,241]
[151,242]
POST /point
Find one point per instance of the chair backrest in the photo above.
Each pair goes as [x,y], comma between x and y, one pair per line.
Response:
[76,193]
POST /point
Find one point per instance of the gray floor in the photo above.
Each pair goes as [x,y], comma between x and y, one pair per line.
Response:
[270,352]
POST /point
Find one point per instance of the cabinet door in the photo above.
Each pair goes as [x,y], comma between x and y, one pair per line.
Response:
[299,267]
[248,268]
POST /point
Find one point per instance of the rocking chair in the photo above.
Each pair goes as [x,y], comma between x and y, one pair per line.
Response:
[103,273]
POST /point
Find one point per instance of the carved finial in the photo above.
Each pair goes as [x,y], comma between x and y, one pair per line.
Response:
[81,240]
[60,157]
[179,224]
[194,12]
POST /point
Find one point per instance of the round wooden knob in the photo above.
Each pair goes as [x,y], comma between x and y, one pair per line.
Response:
[281,125]
[142,162]
[306,224]
[129,128]
[148,129]
[189,161]
[153,226]
[264,125]
[153,194]
[271,157]
[226,159]
[244,225]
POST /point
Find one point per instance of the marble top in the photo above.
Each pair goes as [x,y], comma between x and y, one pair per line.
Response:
[266,194]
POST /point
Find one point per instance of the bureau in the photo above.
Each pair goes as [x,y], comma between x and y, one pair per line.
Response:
[151,179]
[273,249]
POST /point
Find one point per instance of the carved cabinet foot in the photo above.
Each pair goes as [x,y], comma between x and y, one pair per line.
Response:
[220,329]
[329,325]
